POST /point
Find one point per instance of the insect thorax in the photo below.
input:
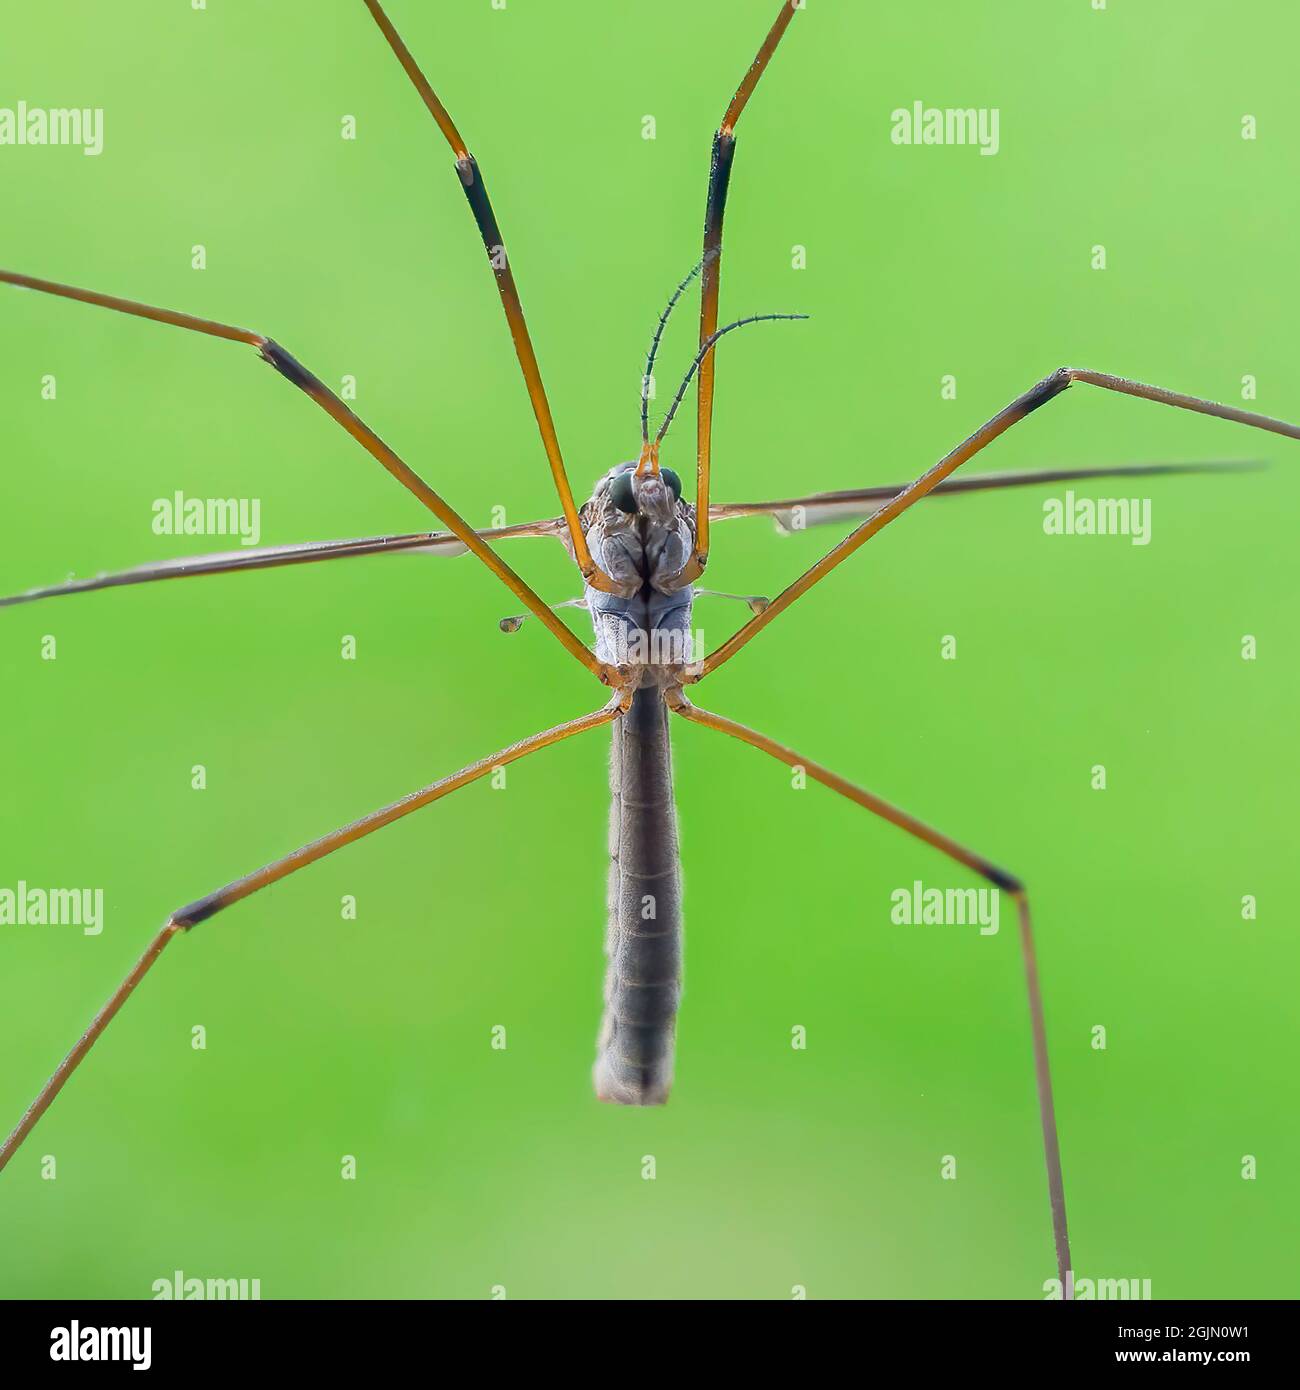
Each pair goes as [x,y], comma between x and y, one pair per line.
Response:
[645,626]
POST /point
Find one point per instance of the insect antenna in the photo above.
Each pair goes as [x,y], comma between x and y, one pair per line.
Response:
[654,346]
[705,348]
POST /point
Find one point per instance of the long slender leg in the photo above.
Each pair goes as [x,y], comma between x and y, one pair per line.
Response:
[204,908]
[1000,879]
[1048,389]
[273,556]
[292,370]
[724,151]
[471,180]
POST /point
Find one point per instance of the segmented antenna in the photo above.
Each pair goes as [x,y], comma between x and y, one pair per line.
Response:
[654,348]
[704,352]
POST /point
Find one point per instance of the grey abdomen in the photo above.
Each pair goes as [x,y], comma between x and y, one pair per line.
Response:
[643,943]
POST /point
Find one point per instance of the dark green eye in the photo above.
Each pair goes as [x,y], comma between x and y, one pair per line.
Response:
[620,492]
[623,497]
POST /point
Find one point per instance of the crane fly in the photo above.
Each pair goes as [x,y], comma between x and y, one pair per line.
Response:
[639,547]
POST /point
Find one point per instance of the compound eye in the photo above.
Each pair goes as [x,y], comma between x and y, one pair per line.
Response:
[620,492]
[673,481]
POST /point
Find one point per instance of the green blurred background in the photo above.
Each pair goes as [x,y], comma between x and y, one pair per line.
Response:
[776,1168]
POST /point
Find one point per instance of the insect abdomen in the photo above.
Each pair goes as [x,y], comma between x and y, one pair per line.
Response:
[643,943]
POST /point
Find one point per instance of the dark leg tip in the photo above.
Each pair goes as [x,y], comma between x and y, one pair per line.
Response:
[1047,389]
[287,365]
[1009,883]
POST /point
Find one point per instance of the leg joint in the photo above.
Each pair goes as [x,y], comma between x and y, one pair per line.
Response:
[1047,389]
[1009,883]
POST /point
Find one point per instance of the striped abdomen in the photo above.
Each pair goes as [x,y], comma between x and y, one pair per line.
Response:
[643,943]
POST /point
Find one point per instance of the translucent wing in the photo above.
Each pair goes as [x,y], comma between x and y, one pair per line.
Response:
[268,557]
[798,513]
